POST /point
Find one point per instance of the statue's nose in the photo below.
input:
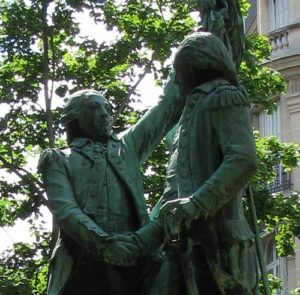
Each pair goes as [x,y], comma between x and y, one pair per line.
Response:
[103,112]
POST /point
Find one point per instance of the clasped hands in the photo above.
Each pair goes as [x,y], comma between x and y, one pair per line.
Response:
[124,249]
[121,250]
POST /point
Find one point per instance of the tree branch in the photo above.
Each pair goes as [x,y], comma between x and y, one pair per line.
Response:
[126,100]
[27,178]
[45,38]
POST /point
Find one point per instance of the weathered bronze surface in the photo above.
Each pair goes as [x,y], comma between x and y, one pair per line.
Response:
[96,195]
[208,243]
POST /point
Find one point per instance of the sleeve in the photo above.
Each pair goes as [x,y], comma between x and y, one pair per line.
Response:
[231,124]
[71,219]
[156,122]
[151,235]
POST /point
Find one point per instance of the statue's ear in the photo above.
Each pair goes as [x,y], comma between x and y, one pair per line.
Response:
[74,130]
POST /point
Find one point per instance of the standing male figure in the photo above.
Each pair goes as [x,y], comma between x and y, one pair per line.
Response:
[95,193]
[212,161]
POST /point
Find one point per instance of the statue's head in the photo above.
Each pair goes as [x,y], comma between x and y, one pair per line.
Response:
[87,114]
[201,57]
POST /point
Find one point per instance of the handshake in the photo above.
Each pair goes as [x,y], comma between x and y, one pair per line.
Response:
[125,249]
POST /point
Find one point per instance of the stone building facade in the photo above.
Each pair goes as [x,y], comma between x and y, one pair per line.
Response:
[280,21]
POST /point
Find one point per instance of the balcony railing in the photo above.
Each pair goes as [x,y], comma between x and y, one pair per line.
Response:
[279,40]
[282,182]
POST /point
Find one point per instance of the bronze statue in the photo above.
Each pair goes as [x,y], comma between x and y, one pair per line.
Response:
[208,240]
[95,192]
[95,189]
[223,18]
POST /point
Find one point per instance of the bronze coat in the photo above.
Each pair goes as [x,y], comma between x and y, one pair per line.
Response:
[71,180]
[213,159]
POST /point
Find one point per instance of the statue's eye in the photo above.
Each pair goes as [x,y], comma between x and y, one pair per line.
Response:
[108,108]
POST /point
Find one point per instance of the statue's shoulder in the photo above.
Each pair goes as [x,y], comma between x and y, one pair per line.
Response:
[227,95]
[52,155]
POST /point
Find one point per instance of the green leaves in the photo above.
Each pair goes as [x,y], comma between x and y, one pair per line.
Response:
[44,57]
[23,270]
[278,212]
[261,82]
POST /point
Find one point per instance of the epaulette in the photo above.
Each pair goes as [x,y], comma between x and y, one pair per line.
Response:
[49,156]
[227,96]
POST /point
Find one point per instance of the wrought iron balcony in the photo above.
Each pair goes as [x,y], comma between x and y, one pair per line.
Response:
[282,182]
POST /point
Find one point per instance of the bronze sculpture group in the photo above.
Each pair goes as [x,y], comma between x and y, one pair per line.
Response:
[198,240]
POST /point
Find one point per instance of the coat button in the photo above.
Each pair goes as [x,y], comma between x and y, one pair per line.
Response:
[113,155]
[184,132]
[97,149]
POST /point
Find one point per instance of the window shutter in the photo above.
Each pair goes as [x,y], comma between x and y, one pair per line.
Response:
[282,13]
[285,12]
[271,8]
[270,124]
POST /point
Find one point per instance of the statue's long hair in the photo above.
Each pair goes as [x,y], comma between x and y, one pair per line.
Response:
[201,57]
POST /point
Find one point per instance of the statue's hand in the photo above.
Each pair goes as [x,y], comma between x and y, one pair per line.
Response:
[132,239]
[120,253]
[127,238]
[181,210]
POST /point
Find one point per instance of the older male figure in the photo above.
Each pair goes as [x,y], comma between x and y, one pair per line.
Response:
[95,193]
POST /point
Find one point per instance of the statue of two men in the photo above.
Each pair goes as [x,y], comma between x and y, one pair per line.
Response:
[95,188]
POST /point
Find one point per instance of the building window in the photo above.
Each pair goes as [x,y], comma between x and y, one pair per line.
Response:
[278,13]
[273,265]
[272,259]
[270,124]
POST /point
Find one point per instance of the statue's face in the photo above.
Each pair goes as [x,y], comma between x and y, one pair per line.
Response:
[185,81]
[95,119]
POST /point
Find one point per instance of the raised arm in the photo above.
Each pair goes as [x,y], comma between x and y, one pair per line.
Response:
[156,122]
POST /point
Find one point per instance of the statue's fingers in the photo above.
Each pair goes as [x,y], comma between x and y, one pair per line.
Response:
[130,262]
[167,207]
[129,248]
[178,218]
[117,262]
[120,237]
[107,258]
[111,239]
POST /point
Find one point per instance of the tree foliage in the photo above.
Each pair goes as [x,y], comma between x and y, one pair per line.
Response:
[261,81]
[44,57]
[279,212]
